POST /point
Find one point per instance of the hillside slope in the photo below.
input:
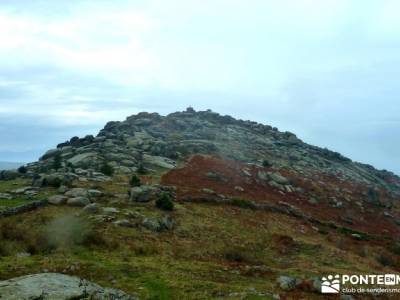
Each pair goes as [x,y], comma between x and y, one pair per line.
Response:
[124,144]
[255,214]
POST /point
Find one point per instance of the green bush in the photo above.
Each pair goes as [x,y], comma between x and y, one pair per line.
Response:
[141,169]
[266,163]
[22,169]
[240,255]
[164,202]
[395,248]
[385,259]
[242,203]
[106,169]
[71,167]
[57,161]
[135,181]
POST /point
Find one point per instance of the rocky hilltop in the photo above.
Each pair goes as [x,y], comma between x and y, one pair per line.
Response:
[154,140]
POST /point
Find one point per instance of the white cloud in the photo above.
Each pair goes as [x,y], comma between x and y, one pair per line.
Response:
[301,65]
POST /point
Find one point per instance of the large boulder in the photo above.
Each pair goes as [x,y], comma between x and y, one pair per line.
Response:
[159,161]
[144,193]
[278,178]
[55,180]
[84,159]
[81,192]
[50,153]
[158,224]
[5,196]
[91,208]
[77,192]
[54,286]
[78,201]
[57,199]
[287,283]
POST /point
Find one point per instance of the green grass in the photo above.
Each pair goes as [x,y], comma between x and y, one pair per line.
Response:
[189,262]
[12,203]
[158,289]
[8,185]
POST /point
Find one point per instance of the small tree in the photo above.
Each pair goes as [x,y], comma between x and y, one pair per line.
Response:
[71,167]
[266,163]
[107,169]
[57,161]
[22,169]
[135,181]
[141,169]
[164,202]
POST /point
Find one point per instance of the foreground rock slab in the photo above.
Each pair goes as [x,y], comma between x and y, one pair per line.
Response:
[54,286]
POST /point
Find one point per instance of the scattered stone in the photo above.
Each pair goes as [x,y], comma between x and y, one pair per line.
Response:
[91,208]
[77,192]
[94,193]
[276,186]
[78,201]
[62,189]
[262,175]
[5,196]
[278,178]
[22,190]
[246,172]
[22,255]
[287,283]
[313,201]
[214,176]
[124,223]
[158,225]
[159,161]
[208,191]
[239,188]
[110,210]
[143,193]
[57,199]
[387,214]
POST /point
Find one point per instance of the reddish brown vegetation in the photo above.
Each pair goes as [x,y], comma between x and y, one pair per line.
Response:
[225,177]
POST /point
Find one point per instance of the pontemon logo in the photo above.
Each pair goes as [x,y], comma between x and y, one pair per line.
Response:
[330,284]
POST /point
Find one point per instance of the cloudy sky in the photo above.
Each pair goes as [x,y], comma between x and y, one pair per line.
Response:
[325,70]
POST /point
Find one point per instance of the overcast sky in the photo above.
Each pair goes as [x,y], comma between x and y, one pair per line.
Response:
[325,70]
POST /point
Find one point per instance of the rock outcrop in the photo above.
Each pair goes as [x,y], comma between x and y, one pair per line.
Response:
[54,286]
[153,141]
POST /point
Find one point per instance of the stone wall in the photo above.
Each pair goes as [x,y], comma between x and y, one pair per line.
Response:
[22,208]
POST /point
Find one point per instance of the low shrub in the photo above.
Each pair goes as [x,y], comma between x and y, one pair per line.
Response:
[395,248]
[266,163]
[57,161]
[240,255]
[107,169]
[64,233]
[164,202]
[141,169]
[135,181]
[22,169]
[242,203]
[385,259]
